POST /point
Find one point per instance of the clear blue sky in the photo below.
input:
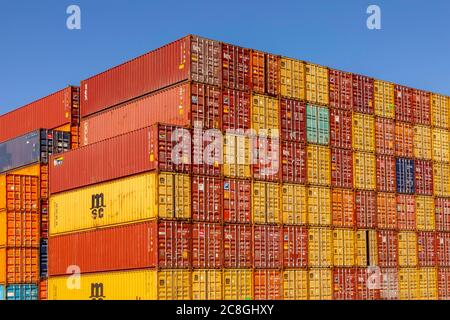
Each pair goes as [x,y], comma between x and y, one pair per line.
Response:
[39,55]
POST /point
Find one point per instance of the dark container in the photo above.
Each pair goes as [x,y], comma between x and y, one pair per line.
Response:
[405,175]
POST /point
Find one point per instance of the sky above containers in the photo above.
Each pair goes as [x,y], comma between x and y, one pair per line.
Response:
[41,55]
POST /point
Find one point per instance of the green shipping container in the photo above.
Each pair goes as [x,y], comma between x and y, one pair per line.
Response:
[317,124]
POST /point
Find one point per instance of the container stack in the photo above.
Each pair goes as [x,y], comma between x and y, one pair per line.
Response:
[24,153]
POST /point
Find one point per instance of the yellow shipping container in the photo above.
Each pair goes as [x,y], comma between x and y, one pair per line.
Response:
[407,249]
[294,204]
[428,287]
[207,284]
[319,165]
[266,202]
[34,170]
[364,171]
[237,284]
[363,132]
[439,111]
[408,283]
[366,248]
[344,247]
[320,284]
[292,78]
[295,284]
[320,247]
[236,156]
[425,218]
[265,114]
[319,206]
[123,285]
[384,99]
[316,84]
[141,197]
[64,128]
[422,142]
[441,145]
[441,179]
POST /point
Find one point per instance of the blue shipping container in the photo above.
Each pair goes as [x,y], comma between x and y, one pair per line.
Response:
[32,148]
[405,176]
[2,292]
[19,292]
[43,258]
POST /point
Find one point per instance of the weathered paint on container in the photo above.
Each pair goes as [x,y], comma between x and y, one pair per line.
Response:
[344,247]
[422,107]
[292,79]
[386,173]
[236,201]
[366,248]
[266,157]
[363,132]
[319,165]
[365,209]
[319,206]
[344,284]
[440,111]
[267,247]
[295,284]
[136,198]
[389,284]
[266,203]
[124,285]
[320,284]
[320,247]
[408,284]
[363,94]
[443,249]
[293,120]
[207,284]
[406,212]
[295,247]
[317,125]
[237,284]
[407,249]
[316,83]
[267,284]
[340,128]
[441,145]
[425,213]
[364,278]
[423,147]
[237,246]
[341,90]
[384,99]
[386,211]
[385,136]
[443,283]
[364,171]
[294,203]
[342,207]
[19,193]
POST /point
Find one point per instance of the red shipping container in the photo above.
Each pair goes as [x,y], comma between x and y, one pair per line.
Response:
[235,67]
[190,58]
[444,283]
[341,90]
[404,104]
[237,246]
[363,94]
[236,110]
[266,159]
[237,201]
[386,211]
[293,162]
[426,249]
[295,247]
[51,112]
[423,177]
[368,283]
[389,284]
[205,106]
[404,135]
[265,70]
[267,285]
[422,107]
[366,209]
[267,246]
[115,158]
[343,208]
[406,212]
[386,175]
[443,249]
[344,284]
[135,246]
[206,198]
[341,128]
[293,120]
[341,168]
[385,136]
[387,248]
[442,209]
[206,245]
[206,160]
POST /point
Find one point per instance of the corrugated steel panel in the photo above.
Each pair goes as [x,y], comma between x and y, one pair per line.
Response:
[368,284]
[407,249]
[344,247]
[19,292]
[206,198]
[423,177]
[440,111]
[317,125]
[266,202]
[19,229]
[236,110]
[405,176]
[237,201]
[207,240]
[292,79]
[267,285]
[340,128]
[344,284]
[320,247]
[366,209]
[423,147]
[406,212]
[441,145]
[366,248]
[319,206]
[363,94]
[443,283]
[295,247]
[320,284]
[428,287]
[441,176]
[319,166]
[294,204]
[136,198]
[293,120]
[267,247]
[341,89]
[386,211]
[316,83]
[384,99]
[237,284]
[364,175]
[236,73]
[442,210]
[265,114]
[19,193]
[387,248]
[19,265]
[422,107]
[341,168]
[295,284]
[426,248]
[385,136]
[404,101]
[265,73]
[293,162]
[443,249]
[343,205]
[207,284]
[408,283]
[404,140]
[425,213]
[237,246]
[266,157]
[386,173]
[363,132]
[237,156]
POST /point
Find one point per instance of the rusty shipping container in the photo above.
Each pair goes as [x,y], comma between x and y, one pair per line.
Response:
[295,247]
[344,284]
[385,136]
[422,107]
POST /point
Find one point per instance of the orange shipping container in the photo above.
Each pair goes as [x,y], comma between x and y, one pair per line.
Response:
[19,193]
[386,211]
[267,285]
[343,208]
[19,229]
[404,140]
[19,265]
[385,136]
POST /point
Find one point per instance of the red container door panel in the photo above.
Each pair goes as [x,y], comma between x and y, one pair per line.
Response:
[206,245]
[237,201]
[363,94]
[205,161]
[266,159]
[404,144]
[235,67]
[366,209]
[406,214]
[442,209]
[443,249]
[272,75]
[293,160]
[426,249]
[341,168]
[422,107]
[368,283]
[386,174]
[424,177]
[258,71]
[295,247]
[174,249]
[267,285]
[206,198]
[205,60]
[293,120]
[237,246]
[404,104]
[267,246]
[341,128]
[341,90]
[389,284]
[344,284]
[236,110]
[206,107]
[385,136]
[387,248]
